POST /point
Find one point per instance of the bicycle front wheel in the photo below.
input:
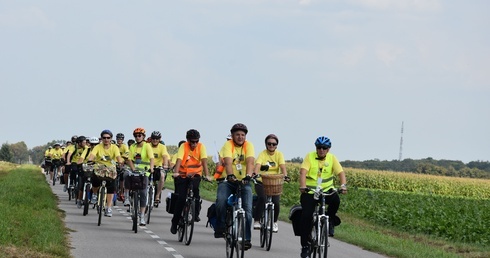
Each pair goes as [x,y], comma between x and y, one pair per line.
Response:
[189,222]
[149,205]
[263,228]
[101,203]
[269,223]
[135,208]
[55,174]
[229,235]
[323,241]
[85,200]
[240,235]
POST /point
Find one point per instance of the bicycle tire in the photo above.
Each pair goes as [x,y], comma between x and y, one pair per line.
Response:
[229,234]
[85,200]
[135,207]
[149,205]
[189,222]
[323,241]
[101,203]
[55,172]
[240,235]
[181,225]
[314,240]
[269,224]
[262,228]
[69,193]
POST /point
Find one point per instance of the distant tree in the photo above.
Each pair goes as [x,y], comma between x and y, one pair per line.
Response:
[6,153]
[19,152]
[297,160]
[172,149]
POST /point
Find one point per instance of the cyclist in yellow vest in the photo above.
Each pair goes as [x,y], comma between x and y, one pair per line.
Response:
[106,154]
[239,158]
[270,161]
[73,161]
[190,165]
[56,154]
[141,158]
[318,170]
[124,150]
[70,147]
[161,156]
[47,160]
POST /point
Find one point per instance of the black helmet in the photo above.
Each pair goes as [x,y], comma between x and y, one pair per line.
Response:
[81,139]
[239,127]
[156,135]
[120,136]
[271,136]
[74,138]
[192,134]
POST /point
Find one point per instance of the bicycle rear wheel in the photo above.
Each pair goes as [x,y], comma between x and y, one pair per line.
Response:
[189,222]
[69,190]
[269,223]
[101,203]
[240,235]
[55,175]
[262,228]
[229,235]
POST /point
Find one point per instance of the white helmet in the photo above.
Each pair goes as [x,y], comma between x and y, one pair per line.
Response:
[94,140]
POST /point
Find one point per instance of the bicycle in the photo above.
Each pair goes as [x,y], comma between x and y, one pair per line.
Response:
[87,187]
[71,187]
[272,187]
[56,166]
[319,232]
[101,200]
[149,197]
[136,183]
[185,227]
[235,224]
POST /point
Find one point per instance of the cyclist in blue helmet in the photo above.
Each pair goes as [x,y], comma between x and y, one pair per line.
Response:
[318,170]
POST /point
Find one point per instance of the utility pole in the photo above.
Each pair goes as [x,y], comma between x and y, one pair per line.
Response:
[401,144]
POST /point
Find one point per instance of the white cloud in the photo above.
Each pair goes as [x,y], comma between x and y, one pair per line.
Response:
[27,17]
[388,53]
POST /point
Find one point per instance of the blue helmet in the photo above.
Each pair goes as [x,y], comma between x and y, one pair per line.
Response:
[106,131]
[323,140]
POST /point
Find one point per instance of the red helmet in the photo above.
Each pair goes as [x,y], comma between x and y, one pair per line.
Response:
[139,130]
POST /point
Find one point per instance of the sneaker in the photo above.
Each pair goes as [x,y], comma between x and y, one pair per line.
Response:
[79,204]
[257,225]
[219,233]
[108,212]
[65,188]
[94,198]
[126,203]
[275,227]
[142,220]
[173,228]
[331,230]
[247,245]
[305,252]
[197,219]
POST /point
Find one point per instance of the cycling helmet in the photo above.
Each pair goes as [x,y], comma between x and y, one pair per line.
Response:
[156,135]
[323,140]
[239,127]
[192,134]
[94,140]
[74,138]
[130,142]
[81,138]
[271,136]
[57,144]
[120,135]
[139,130]
[50,147]
[68,142]
[106,131]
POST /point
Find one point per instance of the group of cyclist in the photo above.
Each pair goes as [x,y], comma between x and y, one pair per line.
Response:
[236,158]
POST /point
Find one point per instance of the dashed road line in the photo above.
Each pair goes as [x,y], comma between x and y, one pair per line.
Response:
[165,245]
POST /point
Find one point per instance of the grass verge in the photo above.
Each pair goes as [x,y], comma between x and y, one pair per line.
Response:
[31,224]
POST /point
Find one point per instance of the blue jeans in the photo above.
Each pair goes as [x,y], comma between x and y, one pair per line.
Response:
[224,190]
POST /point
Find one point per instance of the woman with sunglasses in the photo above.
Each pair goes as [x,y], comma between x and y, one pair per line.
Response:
[269,162]
[318,170]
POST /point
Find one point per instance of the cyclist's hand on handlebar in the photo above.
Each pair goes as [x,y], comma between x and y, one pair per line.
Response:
[246,179]
[287,179]
[303,189]
[90,163]
[231,178]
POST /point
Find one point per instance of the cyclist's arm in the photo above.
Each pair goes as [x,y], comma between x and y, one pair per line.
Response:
[176,167]
[282,168]
[228,166]
[250,165]
[205,170]
[302,179]
[68,158]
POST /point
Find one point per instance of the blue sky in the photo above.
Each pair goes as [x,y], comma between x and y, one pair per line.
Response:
[350,70]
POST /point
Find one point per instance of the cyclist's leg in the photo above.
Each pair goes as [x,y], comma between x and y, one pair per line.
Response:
[308,205]
[224,190]
[196,181]
[276,200]
[143,198]
[247,206]
[259,207]
[66,176]
[333,202]
[181,191]
[158,177]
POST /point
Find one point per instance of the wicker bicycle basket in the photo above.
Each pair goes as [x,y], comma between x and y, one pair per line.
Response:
[272,184]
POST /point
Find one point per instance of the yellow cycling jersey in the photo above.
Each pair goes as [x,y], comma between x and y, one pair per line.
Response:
[106,156]
[239,155]
[158,153]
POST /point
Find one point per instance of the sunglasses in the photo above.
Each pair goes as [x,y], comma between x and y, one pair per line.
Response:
[120,139]
[196,141]
[138,135]
[106,138]
[272,144]
[322,147]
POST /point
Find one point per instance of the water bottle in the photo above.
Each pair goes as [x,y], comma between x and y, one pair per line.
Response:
[231,200]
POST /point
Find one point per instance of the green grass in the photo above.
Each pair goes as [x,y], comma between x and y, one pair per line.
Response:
[31,223]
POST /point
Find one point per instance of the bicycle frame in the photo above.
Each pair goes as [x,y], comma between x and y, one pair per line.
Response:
[266,224]
[235,232]
[185,227]
[319,232]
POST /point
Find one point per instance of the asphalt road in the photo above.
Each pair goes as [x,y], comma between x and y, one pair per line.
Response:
[114,237]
